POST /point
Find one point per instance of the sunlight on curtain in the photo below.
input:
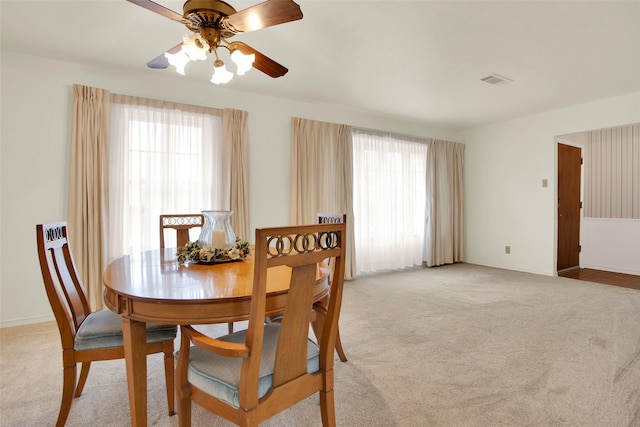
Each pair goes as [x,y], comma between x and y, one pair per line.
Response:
[235,137]
[389,200]
[444,242]
[321,181]
[165,159]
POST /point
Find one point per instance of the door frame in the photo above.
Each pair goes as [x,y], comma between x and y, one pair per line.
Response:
[560,140]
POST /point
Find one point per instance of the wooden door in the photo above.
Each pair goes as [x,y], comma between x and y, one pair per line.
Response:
[569,205]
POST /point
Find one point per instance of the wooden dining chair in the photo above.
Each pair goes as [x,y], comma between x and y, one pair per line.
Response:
[181,223]
[87,336]
[249,376]
[331,218]
[325,218]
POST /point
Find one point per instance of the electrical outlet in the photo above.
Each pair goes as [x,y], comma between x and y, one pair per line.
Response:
[545,182]
[507,250]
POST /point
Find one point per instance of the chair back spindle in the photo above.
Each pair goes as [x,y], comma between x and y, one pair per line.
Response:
[182,224]
[332,218]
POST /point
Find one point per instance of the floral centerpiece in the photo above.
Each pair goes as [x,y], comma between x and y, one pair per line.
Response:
[203,253]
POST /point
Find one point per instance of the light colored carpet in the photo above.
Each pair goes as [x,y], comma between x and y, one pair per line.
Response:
[459,345]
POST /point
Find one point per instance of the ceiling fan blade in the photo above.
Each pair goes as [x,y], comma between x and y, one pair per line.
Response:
[262,63]
[161,62]
[159,9]
[262,15]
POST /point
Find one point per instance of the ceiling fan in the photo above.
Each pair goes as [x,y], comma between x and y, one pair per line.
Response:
[213,22]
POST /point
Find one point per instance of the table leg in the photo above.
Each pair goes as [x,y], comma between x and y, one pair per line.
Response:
[135,338]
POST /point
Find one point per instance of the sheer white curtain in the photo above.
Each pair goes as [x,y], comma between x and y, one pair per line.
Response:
[389,196]
[164,158]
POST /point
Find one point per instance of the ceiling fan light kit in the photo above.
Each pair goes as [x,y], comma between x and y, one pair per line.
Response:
[212,23]
[195,46]
[220,73]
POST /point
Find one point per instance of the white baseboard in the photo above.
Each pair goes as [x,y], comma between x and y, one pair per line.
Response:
[26,321]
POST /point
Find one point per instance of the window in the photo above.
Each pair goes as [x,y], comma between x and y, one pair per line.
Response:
[389,197]
[163,159]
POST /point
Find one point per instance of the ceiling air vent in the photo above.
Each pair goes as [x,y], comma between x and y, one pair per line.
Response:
[496,79]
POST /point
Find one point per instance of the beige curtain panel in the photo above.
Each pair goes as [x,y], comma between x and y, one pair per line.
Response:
[89,176]
[444,220]
[88,187]
[235,151]
[612,173]
[322,176]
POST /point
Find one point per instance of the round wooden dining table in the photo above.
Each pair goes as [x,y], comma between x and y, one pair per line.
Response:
[152,287]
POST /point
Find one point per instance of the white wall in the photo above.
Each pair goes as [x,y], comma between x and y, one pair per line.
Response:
[505,163]
[36,134]
[610,244]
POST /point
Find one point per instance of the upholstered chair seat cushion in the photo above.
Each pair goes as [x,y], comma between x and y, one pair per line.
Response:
[103,329]
[219,376]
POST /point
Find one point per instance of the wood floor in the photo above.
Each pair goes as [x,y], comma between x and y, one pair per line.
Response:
[605,277]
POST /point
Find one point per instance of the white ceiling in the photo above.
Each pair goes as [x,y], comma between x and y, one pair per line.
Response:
[419,61]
